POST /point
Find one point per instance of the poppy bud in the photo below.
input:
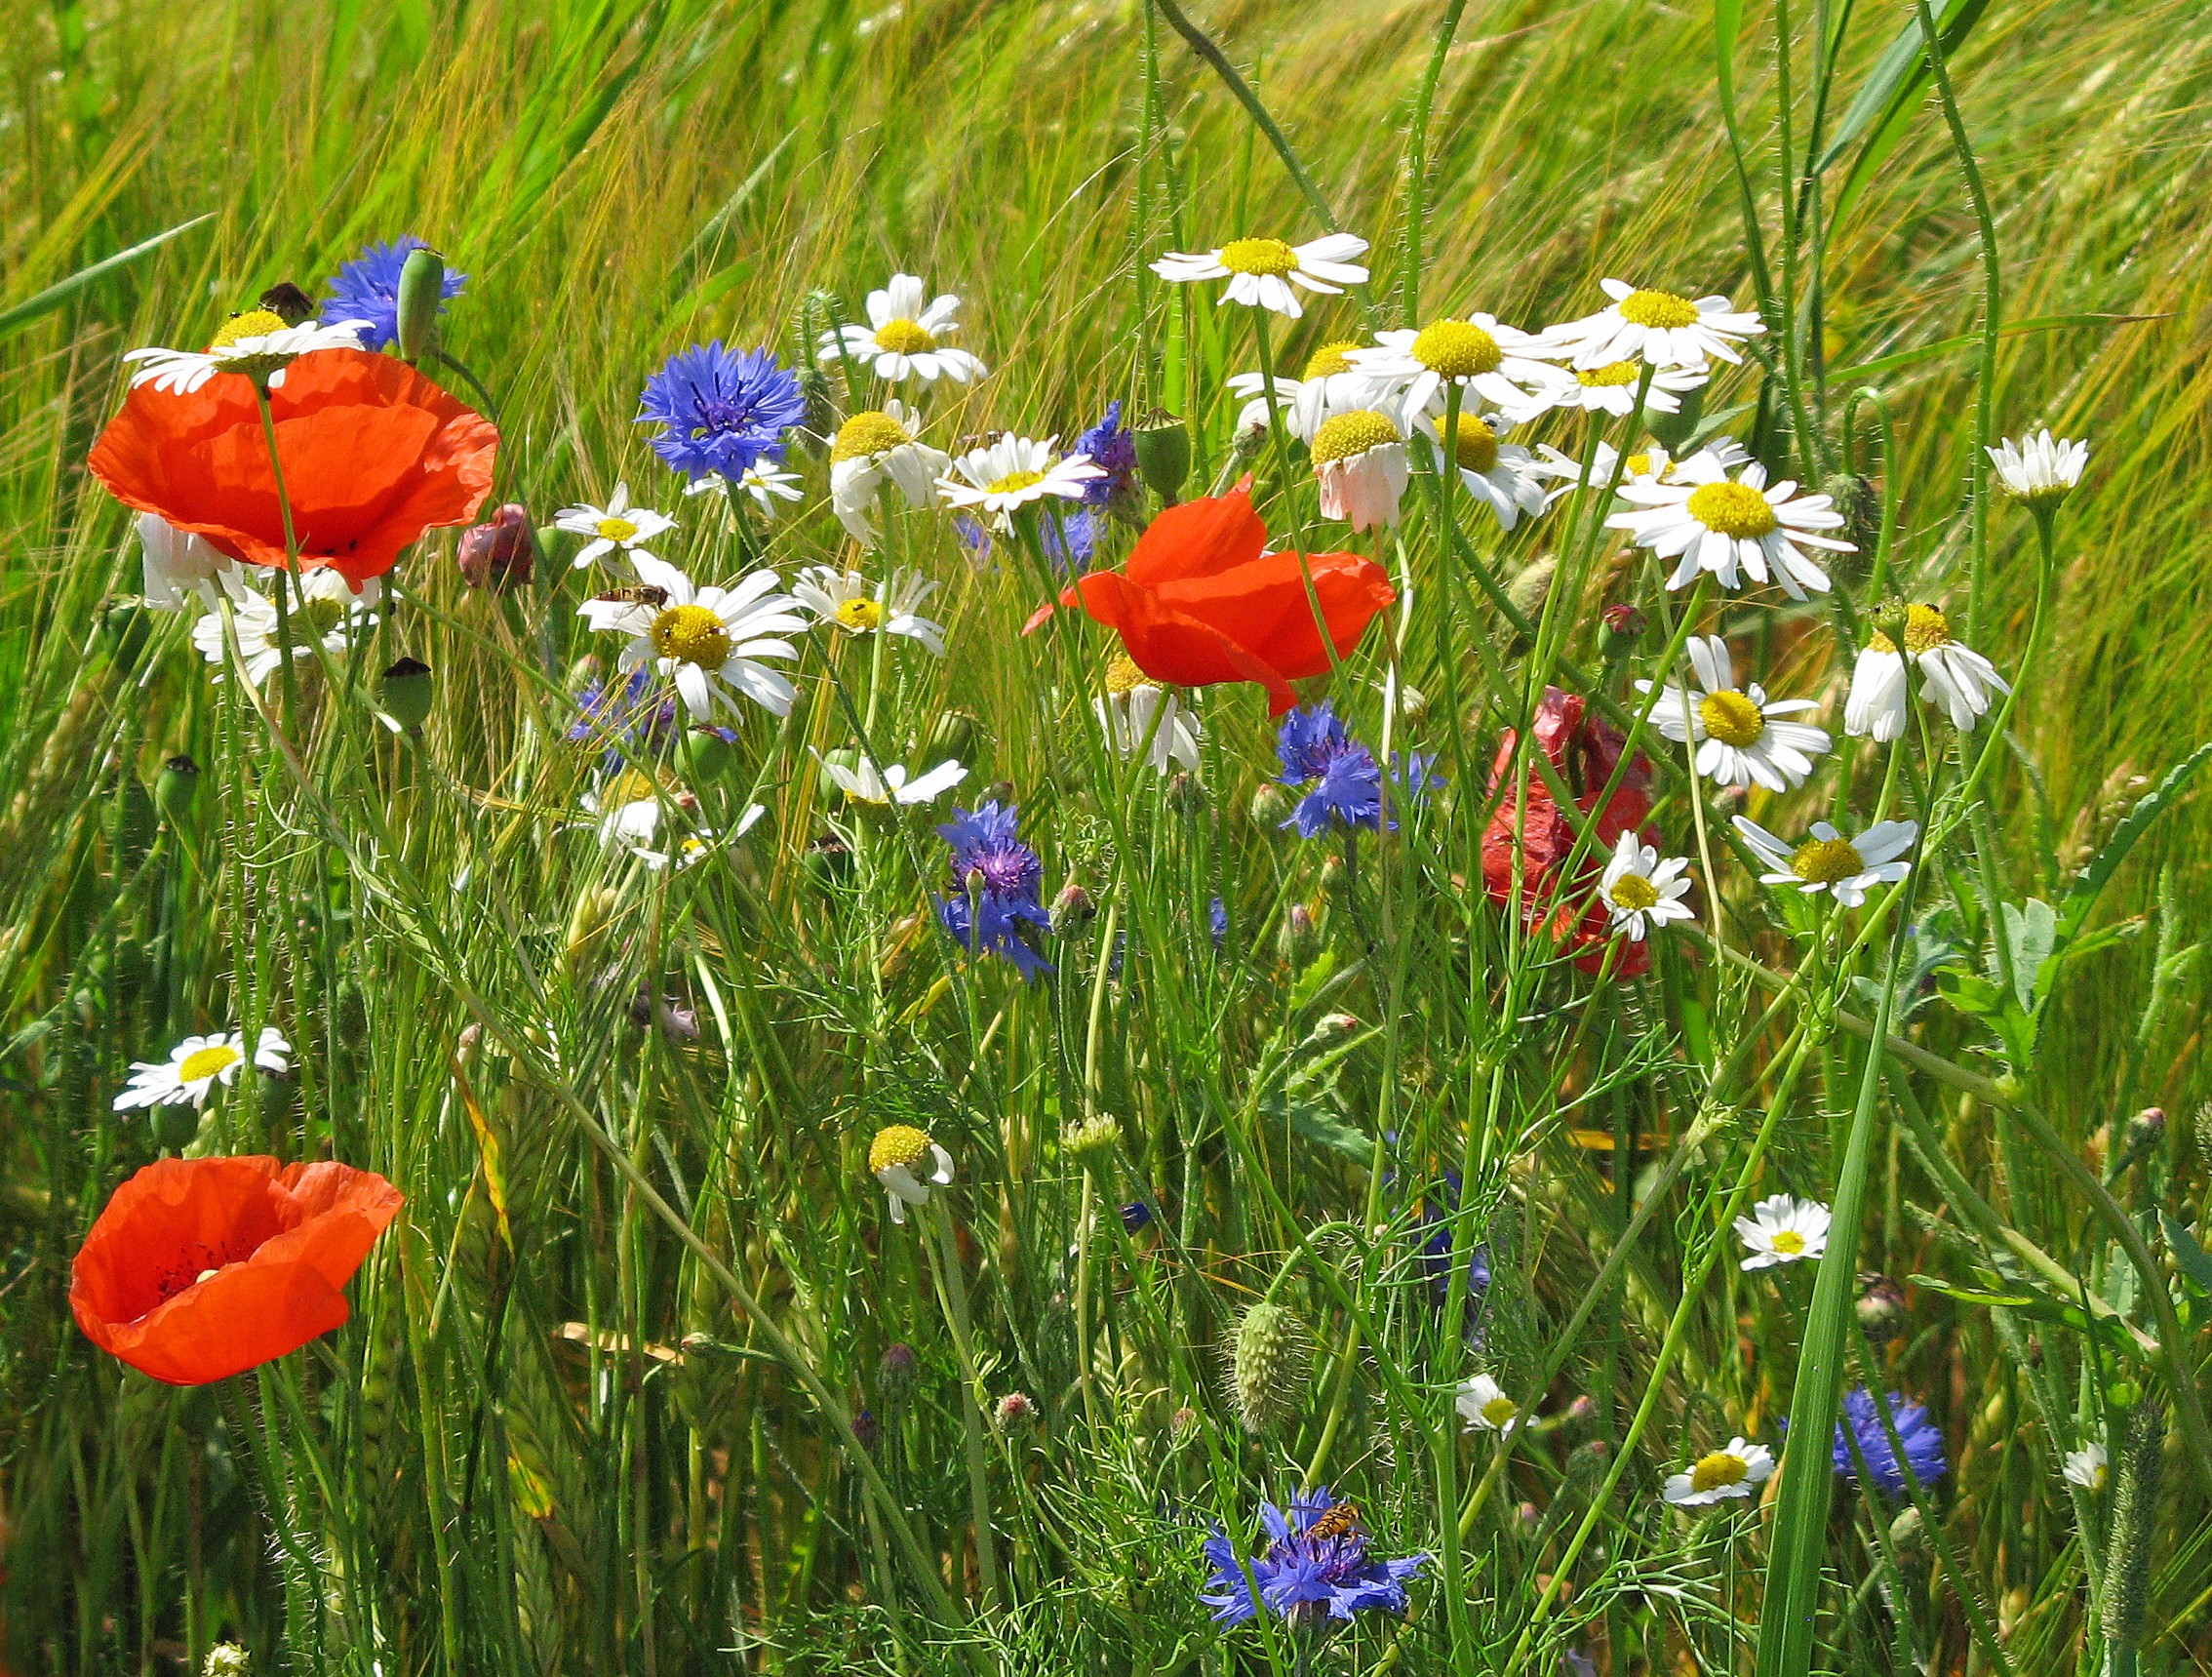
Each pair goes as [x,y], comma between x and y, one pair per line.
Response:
[1528,589]
[421,293]
[123,625]
[405,693]
[1624,627]
[500,555]
[1673,430]
[1267,1367]
[821,419]
[176,789]
[1184,792]
[704,753]
[896,1370]
[1880,1308]
[952,735]
[1164,454]
[828,860]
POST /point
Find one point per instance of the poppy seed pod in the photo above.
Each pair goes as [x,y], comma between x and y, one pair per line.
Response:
[500,555]
[1267,1367]
[1164,454]
[704,753]
[421,293]
[405,693]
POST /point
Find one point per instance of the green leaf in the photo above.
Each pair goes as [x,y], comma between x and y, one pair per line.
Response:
[42,303]
[2195,1262]
[1890,97]
[1312,980]
[1316,1125]
[2030,931]
[2073,912]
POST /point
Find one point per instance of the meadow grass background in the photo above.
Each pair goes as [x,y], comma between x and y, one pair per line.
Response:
[620,179]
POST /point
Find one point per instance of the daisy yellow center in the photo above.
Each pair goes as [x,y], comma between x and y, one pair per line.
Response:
[1824,861]
[1638,465]
[630,787]
[1724,1467]
[206,1061]
[1606,378]
[860,616]
[1925,630]
[1330,359]
[1475,447]
[1350,434]
[615,529]
[904,337]
[1457,350]
[1500,1410]
[1635,893]
[691,634]
[1731,718]
[1122,674]
[1788,1241]
[1014,482]
[1658,308]
[1732,508]
[1258,256]
[253,323]
[899,1145]
[2098,1474]
[869,433]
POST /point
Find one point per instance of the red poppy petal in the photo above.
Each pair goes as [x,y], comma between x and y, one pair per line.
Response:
[1264,606]
[1198,539]
[1173,648]
[237,1319]
[343,1212]
[220,1210]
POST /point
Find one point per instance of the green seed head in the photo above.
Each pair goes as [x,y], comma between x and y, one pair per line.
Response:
[1268,1367]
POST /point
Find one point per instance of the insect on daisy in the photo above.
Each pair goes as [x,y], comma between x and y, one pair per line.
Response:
[615,528]
[1952,676]
[1640,890]
[1830,862]
[904,339]
[709,640]
[1502,475]
[1260,271]
[1656,327]
[1721,1474]
[2039,472]
[2088,1467]
[256,344]
[1011,472]
[1783,1230]
[845,599]
[1739,741]
[1729,526]
[1482,355]
[198,1064]
[1484,1405]
[892,1157]
[1360,461]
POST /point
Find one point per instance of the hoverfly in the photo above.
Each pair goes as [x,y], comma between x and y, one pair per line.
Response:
[637,594]
[1341,1521]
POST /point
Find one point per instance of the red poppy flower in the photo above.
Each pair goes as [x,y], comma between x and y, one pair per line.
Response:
[1584,751]
[373,455]
[1201,601]
[201,1268]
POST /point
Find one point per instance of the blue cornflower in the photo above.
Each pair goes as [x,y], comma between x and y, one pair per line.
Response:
[368,288]
[1109,445]
[1312,737]
[620,713]
[1306,1579]
[1218,921]
[1136,1215]
[1438,1209]
[1416,774]
[1921,1437]
[722,411]
[997,887]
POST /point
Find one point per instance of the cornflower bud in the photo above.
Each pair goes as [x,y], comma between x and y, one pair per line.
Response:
[1093,1135]
[1268,1366]
[1072,910]
[1270,808]
[225,1660]
[1297,938]
[896,1371]
[866,1429]
[1013,1410]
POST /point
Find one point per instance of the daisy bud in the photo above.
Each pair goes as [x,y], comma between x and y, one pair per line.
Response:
[1016,1409]
[288,304]
[500,556]
[1880,1308]
[706,754]
[896,1371]
[1072,910]
[177,789]
[421,293]
[1093,1135]
[1267,1367]
[1164,454]
[405,693]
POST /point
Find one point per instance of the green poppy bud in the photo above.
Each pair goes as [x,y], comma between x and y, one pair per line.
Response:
[1164,454]
[405,693]
[421,292]
[176,789]
[705,755]
[953,734]
[1673,431]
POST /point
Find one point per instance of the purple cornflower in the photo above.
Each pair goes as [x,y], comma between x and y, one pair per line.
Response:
[368,288]
[1109,445]
[621,714]
[721,410]
[1218,921]
[1921,1437]
[1305,1580]
[1347,782]
[997,887]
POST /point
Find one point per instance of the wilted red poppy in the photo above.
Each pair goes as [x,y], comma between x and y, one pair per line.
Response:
[373,455]
[1584,751]
[201,1268]
[1201,601]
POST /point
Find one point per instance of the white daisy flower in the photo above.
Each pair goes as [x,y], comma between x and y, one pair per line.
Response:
[1657,326]
[1728,526]
[1783,1230]
[709,640]
[1484,1405]
[1330,385]
[696,845]
[1640,890]
[1952,676]
[893,1155]
[844,598]
[1139,715]
[1739,742]
[1482,355]
[1611,389]
[864,784]
[1830,862]
[325,609]
[1723,1473]
[1260,271]
[1360,459]
[256,344]
[197,1064]
[2088,1467]
[904,339]
[2038,471]
[630,809]
[178,567]
[765,481]
[615,528]
[876,447]
[1013,472]
[1503,476]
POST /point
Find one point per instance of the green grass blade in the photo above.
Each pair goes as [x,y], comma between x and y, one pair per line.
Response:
[42,303]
